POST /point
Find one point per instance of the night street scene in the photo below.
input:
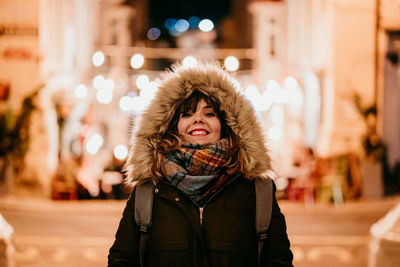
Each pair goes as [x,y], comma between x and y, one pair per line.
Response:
[309,100]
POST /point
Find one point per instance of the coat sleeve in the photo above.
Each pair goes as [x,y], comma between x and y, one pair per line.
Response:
[125,250]
[276,249]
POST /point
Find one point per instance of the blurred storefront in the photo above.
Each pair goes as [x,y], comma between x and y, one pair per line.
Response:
[313,66]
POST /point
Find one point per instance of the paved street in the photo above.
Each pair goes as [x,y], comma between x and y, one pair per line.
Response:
[333,236]
[62,233]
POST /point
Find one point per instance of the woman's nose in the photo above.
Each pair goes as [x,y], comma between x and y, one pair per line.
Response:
[197,118]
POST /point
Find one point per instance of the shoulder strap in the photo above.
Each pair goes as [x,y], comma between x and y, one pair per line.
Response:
[264,198]
[143,210]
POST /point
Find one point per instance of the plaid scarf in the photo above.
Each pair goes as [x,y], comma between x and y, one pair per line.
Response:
[197,169]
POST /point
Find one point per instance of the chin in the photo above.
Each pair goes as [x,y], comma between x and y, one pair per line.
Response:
[198,141]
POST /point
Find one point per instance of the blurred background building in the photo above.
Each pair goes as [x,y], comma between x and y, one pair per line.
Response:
[323,76]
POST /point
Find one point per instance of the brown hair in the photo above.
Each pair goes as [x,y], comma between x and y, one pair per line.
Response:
[171,141]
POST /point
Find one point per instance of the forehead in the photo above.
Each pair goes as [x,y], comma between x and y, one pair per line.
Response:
[194,103]
[203,104]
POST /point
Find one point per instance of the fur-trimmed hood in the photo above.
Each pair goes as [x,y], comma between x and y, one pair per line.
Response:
[176,86]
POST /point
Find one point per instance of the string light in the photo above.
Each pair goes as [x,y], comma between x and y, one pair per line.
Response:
[267,100]
[282,96]
[120,152]
[170,23]
[194,22]
[80,91]
[98,58]
[109,84]
[125,103]
[252,92]
[98,82]
[272,85]
[137,61]
[206,25]
[153,33]
[138,104]
[94,143]
[290,82]
[104,96]
[231,63]
[189,62]
[142,81]
[260,102]
[182,25]
[148,93]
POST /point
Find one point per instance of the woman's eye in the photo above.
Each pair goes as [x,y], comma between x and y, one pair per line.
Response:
[183,115]
[210,114]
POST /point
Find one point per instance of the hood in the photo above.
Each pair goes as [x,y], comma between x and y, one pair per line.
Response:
[175,86]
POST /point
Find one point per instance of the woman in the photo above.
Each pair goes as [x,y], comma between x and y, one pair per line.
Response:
[200,143]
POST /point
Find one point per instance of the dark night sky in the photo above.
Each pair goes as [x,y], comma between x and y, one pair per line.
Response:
[160,10]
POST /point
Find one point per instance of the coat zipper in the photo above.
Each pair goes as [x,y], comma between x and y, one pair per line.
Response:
[201,215]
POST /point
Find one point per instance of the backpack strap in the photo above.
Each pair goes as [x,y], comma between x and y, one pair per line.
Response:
[264,198]
[143,210]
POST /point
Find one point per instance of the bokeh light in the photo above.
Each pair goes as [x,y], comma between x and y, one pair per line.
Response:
[206,25]
[277,114]
[125,103]
[137,61]
[252,92]
[279,94]
[290,82]
[189,62]
[138,104]
[182,25]
[258,101]
[267,100]
[98,58]
[194,22]
[104,96]
[231,63]
[94,143]
[120,152]
[282,96]
[153,33]
[109,84]
[272,85]
[148,93]
[170,23]
[98,82]
[80,91]
[142,81]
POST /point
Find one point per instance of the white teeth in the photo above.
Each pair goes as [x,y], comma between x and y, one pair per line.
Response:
[198,132]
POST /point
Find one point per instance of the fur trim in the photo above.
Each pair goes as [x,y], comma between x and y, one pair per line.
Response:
[176,85]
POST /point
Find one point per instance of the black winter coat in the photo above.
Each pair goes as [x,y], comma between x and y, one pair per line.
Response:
[225,236]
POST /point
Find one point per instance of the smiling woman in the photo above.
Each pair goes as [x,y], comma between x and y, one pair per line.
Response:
[200,147]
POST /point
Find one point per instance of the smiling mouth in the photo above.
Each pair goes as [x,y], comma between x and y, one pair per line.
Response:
[198,133]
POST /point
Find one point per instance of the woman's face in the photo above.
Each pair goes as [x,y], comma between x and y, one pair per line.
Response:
[200,127]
